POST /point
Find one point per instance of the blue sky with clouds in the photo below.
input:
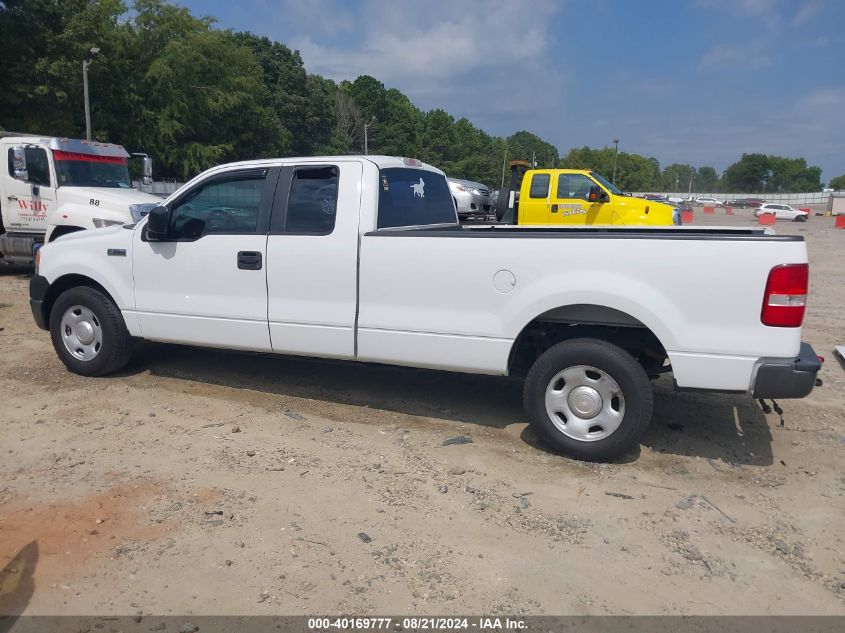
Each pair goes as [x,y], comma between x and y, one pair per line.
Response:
[693,81]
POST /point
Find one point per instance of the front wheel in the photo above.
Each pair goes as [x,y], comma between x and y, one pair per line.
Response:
[800,218]
[88,332]
[588,398]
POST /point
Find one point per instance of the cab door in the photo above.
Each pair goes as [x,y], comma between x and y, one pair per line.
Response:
[26,203]
[205,282]
[571,202]
[534,205]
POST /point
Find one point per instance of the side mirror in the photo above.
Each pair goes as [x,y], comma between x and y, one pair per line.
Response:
[19,159]
[597,194]
[147,163]
[157,223]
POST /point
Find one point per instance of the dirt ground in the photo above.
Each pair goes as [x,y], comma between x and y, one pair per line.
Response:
[209,482]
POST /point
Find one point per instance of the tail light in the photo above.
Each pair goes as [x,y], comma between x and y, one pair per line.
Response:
[786,296]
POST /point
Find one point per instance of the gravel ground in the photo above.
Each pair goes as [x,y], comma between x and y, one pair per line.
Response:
[208,482]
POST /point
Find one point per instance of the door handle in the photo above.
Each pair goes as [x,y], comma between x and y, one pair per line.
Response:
[11,197]
[249,260]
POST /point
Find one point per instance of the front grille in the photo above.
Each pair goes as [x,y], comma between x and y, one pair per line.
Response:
[483,191]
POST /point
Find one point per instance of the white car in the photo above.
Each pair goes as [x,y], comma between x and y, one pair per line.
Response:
[782,212]
[362,258]
[707,201]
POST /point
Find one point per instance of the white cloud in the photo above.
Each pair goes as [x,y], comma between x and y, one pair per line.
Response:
[806,12]
[404,41]
[746,56]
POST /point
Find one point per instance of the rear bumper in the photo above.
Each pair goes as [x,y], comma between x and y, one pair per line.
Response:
[38,287]
[788,379]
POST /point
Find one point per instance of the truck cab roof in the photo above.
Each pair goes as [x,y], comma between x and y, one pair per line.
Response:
[71,145]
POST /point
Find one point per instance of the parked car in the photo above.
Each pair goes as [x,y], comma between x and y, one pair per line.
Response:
[744,203]
[657,197]
[782,212]
[707,201]
[471,198]
[361,258]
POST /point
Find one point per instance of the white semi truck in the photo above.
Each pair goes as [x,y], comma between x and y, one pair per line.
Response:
[51,186]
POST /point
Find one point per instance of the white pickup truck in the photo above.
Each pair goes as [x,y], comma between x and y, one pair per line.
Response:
[362,258]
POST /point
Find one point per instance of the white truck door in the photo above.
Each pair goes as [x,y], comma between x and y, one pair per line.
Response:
[26,203]
[312,259]
[206,284]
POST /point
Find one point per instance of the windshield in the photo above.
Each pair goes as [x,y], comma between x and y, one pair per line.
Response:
[611,188]
[86,170]
[414,197]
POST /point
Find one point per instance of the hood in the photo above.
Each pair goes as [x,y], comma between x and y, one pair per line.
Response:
[468,183]
[112,198]
[91,234]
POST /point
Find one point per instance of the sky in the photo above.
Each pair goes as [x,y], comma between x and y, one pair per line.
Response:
[687,81]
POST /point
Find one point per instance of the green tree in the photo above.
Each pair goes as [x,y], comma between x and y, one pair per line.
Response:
[837,183]
[749,174]
[523,145]
[706,180]
[211,105]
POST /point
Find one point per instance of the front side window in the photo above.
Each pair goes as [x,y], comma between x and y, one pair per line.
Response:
[37,166]
[574,186]
[539,186]
[414,197]
[74,169]
[225,205]
[312,204]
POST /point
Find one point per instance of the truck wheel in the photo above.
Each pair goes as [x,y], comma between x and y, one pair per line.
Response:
[89,333]
[502,203]
[588,398]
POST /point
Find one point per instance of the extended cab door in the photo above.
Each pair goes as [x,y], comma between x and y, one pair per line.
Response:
[534,198]
[571,203]
[26,203]
[206,283]
[312,259]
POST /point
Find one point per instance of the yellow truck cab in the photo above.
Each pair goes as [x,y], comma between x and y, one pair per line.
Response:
[575,197]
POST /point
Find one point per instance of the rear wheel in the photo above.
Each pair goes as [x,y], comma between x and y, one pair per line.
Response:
[800,218]
[88,332]
[588,398]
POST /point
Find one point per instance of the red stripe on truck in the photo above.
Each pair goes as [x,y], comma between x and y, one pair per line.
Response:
[93,158]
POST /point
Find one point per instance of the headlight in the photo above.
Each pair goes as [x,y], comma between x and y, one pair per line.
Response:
[138,211]
[101,222]
[460,187]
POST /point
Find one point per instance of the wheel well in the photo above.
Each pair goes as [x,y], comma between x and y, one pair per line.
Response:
[64,230]
[66,283]
[590,321]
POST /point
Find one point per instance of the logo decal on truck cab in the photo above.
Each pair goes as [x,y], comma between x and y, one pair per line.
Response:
[419,189]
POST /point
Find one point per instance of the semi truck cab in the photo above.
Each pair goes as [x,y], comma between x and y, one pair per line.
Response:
[50,187]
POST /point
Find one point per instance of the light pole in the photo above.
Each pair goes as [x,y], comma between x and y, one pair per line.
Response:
[92,52]
[504,160]
[615,153]
[367,127]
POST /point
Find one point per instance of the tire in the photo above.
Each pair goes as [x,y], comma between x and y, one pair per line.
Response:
[622,410]
[800,218]
[84,313]
[502,203]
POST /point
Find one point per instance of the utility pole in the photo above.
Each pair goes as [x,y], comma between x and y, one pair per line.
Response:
[615,153]
[691,176]
[367,127]
[92,52]
[504,160]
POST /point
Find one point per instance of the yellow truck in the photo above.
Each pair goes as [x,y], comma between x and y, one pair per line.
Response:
[575,197]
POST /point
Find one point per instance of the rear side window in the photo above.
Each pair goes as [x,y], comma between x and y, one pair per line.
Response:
[312,205]
[539,186]
[413,197]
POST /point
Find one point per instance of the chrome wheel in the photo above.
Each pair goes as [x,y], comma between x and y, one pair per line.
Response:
[81,332]
[585,403]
